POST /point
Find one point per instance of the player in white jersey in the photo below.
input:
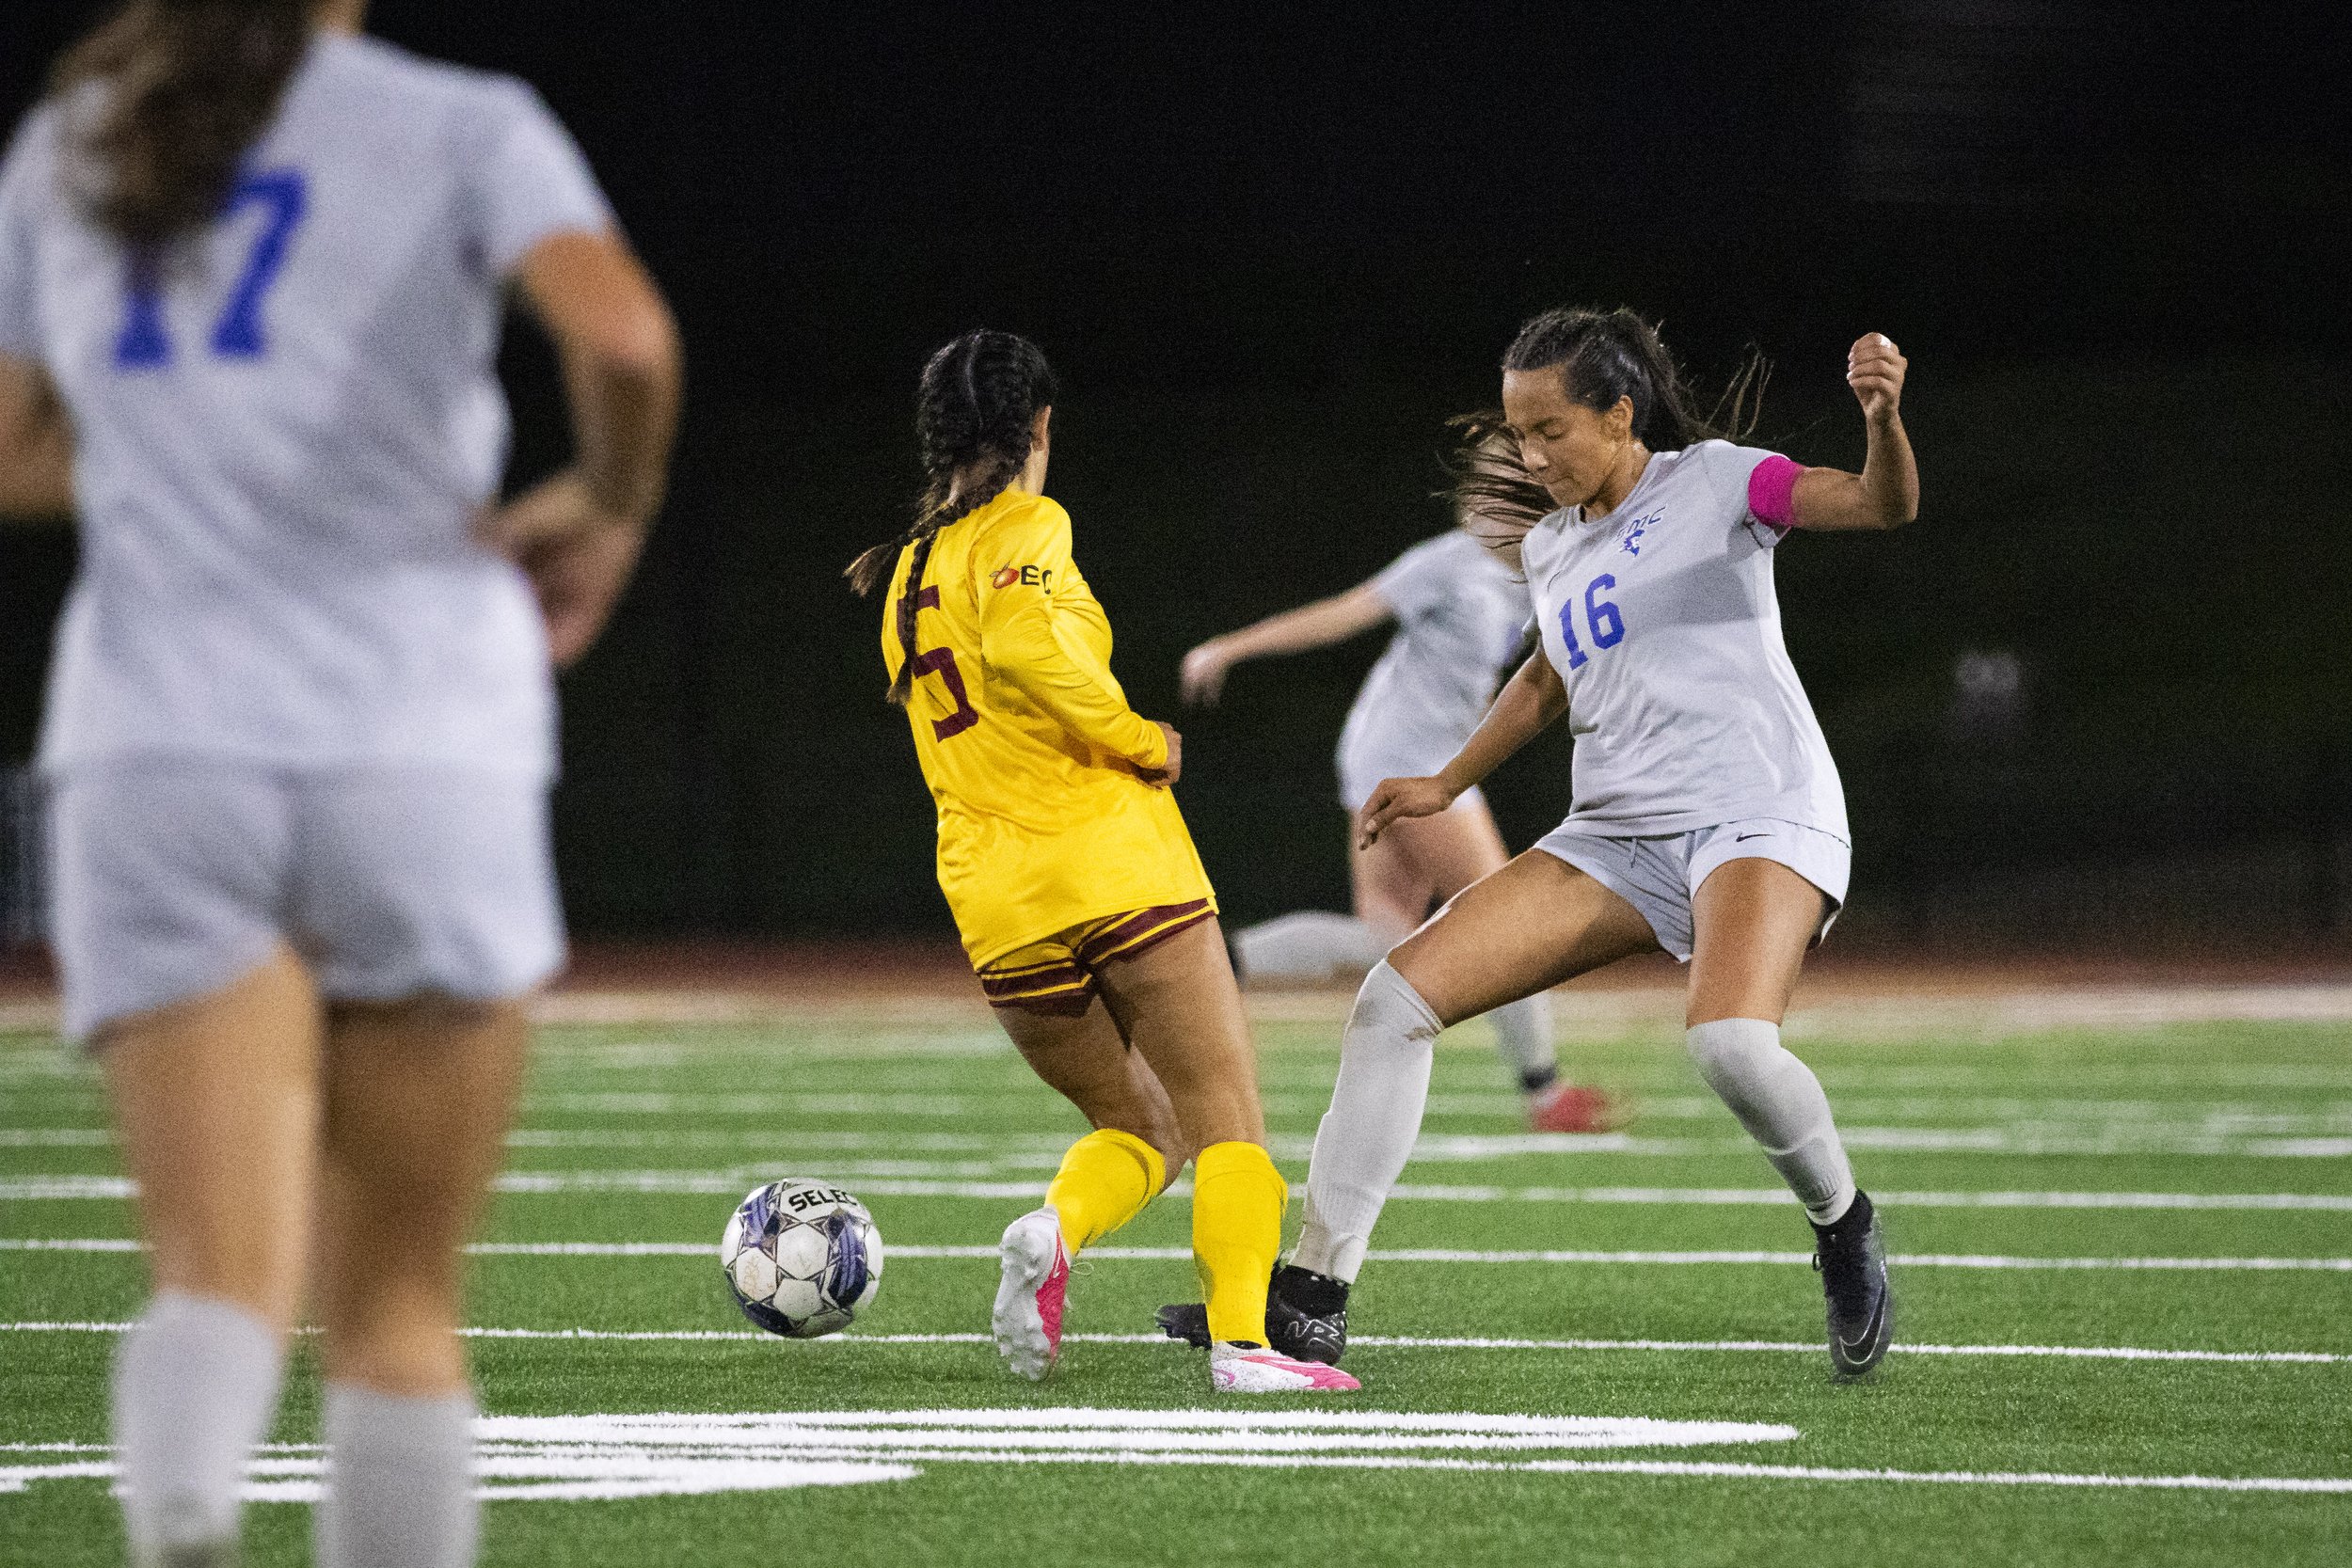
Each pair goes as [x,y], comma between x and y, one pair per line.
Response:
[1461,611]
[299,732]
[1707,821]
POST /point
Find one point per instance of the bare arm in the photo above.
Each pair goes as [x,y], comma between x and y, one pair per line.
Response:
[578,533]
[1885,494]
[1530,702]
[1294,631]
[36,445]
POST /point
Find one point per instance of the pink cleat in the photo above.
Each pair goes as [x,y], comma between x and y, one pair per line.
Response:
[1253,1369]
[1574,1108]
[1031,1294]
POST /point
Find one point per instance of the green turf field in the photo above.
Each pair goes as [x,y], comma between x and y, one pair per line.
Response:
[2195,1180]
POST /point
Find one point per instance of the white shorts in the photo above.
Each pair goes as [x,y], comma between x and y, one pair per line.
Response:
[1659,877]
[174,877]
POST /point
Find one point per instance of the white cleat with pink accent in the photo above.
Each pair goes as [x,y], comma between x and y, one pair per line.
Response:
[1254,1370]
[1032,1293]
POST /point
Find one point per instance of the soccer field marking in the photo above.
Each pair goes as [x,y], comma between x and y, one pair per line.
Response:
[993,1173]
[2024,1141]
[1363,1342]
[732,1183]
[989,1252]
[563,1458]
[566,1458]
[1912,1260]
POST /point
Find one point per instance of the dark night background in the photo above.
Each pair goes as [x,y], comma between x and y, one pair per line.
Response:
[1270,251]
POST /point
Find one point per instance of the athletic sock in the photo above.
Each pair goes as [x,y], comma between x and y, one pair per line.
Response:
[1238,1201]
[399,1481]
[1367,1135]
[1312,945]
[194,1385]
[1524,1035]
[1104,1181]
[1780,1102]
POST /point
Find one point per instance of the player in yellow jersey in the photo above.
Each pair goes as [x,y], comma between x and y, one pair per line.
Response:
[1082,903]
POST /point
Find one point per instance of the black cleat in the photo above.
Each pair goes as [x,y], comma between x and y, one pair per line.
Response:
[1850,1257]
[1185,1321]
[1306,1317]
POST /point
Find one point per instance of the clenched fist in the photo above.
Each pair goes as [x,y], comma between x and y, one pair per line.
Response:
[1874,369]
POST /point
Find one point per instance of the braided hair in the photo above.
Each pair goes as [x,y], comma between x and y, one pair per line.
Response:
[1607,355]
[191,85]
[975,414]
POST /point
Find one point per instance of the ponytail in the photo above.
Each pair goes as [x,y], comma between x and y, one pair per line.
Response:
[976,411]
[187,85]
[1607,355]
[1489,484]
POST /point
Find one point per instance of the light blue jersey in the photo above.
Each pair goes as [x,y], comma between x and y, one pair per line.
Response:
[285,430]
[1662,622]
[1461,618]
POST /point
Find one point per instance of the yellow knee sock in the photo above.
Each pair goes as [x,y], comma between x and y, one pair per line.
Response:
[1104,1181]
[1237,1199]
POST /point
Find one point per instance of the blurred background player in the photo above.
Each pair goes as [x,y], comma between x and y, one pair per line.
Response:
[1708,818]
[1082,903]
[301,726]
[1461,611]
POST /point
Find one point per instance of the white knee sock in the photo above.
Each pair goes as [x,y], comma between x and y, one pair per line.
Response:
[399,1481]
[1311,947]
[1524,1035]
[194,1386]
[1368,1134]
[1780,1102]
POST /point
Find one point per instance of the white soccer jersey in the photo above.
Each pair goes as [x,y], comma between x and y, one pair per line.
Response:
[1460,617]
[284,433]
[1662,619]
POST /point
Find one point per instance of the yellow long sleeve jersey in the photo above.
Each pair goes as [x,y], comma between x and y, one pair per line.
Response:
[1026,740]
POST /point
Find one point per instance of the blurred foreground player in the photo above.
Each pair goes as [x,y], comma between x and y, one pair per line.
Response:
[301,726]
[1708,818]
[1082,902]
[1460,608]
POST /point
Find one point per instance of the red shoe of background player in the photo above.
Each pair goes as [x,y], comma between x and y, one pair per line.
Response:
[1574,1108]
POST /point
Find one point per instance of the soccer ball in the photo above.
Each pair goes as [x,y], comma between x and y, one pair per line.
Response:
[802,1258]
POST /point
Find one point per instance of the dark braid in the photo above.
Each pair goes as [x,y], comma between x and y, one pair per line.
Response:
[974,416]
[189,87]
[1607,355]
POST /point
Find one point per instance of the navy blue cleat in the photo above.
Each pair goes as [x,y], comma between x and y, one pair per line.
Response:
[1306,1317]
[1851,1257]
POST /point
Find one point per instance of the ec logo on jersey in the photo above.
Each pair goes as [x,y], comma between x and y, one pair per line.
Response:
[1631,540]
[1035,576]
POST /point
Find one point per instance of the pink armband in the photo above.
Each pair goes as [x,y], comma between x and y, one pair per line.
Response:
[1772,492]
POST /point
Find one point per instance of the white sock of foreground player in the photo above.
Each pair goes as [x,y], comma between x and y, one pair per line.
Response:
[1780,1102]
[1310,945]
[1524,1035]
[194,1385]
[1367,1135]
[399,1481]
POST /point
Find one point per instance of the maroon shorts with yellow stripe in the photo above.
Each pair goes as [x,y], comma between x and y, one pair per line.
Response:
[1056,975]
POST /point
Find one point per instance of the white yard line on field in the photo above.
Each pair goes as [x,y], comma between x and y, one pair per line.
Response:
[1043,1152]
[1374,1341]
[1947,1477]
[734,1182]
[1396,1255]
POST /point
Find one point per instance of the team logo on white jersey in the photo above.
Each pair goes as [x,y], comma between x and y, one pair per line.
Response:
[1629,536]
